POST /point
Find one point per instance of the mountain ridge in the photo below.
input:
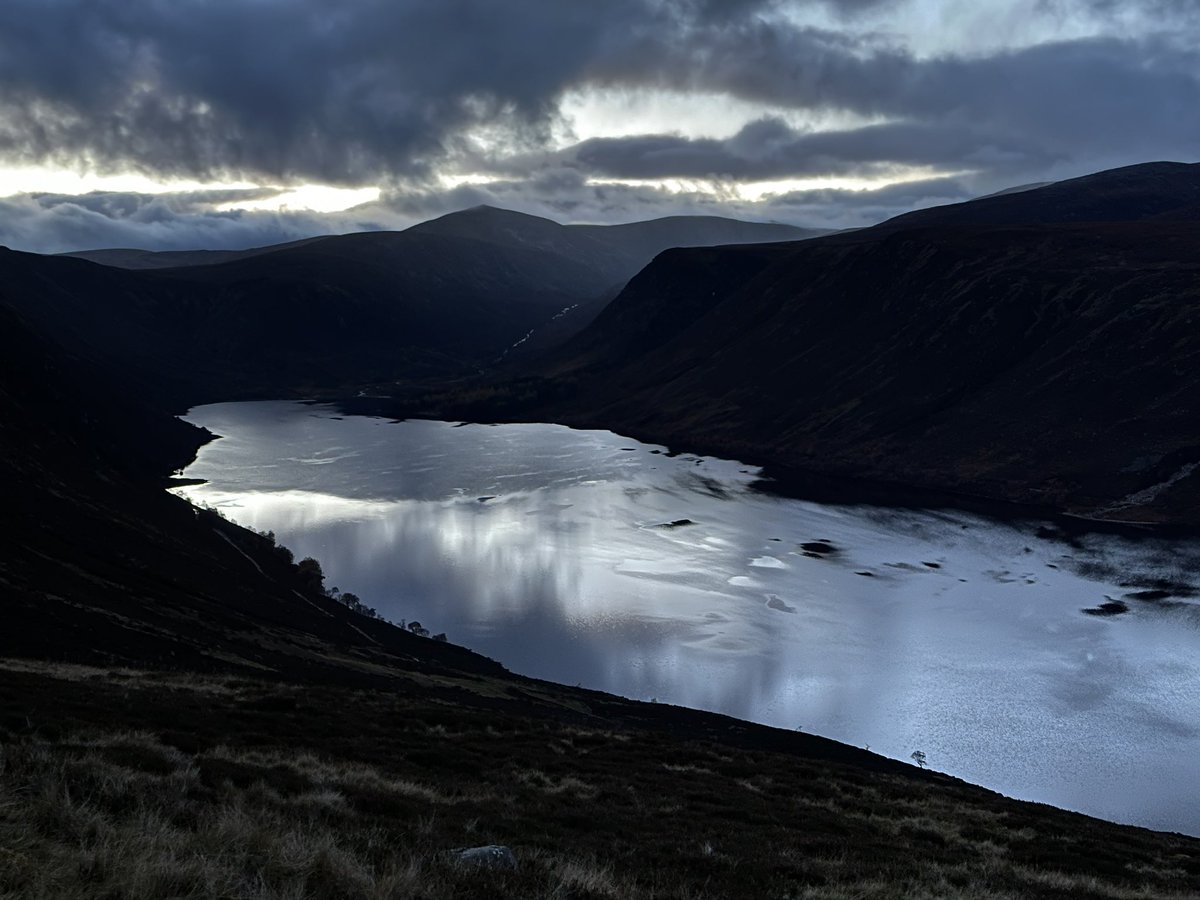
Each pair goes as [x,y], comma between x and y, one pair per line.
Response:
[343,311]
[1048,363]
[1169,191]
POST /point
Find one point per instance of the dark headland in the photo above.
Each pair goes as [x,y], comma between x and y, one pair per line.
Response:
[185,713]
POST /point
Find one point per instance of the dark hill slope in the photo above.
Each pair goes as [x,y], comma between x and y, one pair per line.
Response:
[376,306]
[132,258]
[1044,364]
[595,261]
[345,310]
[1159,190]
[101,565]
[116,322]
[618,251]
[336,312]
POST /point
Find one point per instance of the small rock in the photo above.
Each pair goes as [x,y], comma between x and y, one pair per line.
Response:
[493,856]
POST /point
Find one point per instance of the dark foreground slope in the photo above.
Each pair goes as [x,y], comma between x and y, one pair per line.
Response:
[181,714]
[1052,364]
[135,783]
[101,564]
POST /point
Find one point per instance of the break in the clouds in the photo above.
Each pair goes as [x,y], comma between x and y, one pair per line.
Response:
[54,223]
[821,113]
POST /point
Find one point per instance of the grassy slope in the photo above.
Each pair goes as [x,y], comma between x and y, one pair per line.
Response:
[124,783]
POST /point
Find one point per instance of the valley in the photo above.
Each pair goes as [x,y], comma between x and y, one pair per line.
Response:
[1033,351]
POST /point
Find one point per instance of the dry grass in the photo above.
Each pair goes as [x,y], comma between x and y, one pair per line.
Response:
[122,815]
[264,790]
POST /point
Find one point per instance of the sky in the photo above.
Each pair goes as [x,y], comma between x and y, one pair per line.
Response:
[172,124]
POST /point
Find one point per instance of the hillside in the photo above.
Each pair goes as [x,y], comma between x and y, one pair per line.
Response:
[1050,363]
[443,298]
[133,258]
[619,251]
[183,714]
[1166,191]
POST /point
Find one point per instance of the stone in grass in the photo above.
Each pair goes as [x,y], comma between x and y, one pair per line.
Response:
[493,856]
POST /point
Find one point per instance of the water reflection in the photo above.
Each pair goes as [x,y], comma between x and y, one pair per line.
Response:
[584,557]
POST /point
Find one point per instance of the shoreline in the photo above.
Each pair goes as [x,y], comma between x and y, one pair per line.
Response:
[796,483]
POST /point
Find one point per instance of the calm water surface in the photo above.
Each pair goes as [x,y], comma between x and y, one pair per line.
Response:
[565,555]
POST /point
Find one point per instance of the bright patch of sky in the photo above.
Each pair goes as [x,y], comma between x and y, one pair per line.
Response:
[754,191]
[305,197]
[930,28]
[625,113]
[312,197]
[50,180]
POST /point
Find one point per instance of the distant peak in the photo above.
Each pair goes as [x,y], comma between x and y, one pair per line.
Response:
[485,217]
[483,209]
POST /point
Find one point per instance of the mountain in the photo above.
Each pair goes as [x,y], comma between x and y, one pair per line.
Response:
[184,712]
[442,298]
[131,258]
[1038,348]
[619,251]
[1166,191]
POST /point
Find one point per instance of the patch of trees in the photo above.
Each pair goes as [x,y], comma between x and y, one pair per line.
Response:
[312,578]
[352,602]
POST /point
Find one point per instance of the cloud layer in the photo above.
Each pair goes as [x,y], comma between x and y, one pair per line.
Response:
[400,93]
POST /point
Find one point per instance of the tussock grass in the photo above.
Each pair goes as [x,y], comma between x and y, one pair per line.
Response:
[88,817]
[261,790]
[79,672]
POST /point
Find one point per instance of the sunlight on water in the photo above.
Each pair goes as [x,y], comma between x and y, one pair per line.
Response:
[585,557]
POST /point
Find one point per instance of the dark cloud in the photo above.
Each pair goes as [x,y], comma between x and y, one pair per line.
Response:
[390,92]
[285,88]
[856,209]
[1068,107]
[1074,92]
[768,149]
[386,89]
